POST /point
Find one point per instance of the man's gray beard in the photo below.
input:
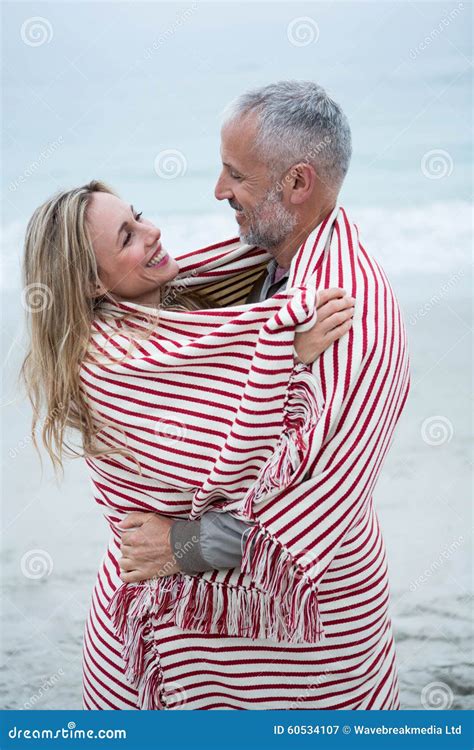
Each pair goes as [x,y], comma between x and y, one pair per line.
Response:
[270,223]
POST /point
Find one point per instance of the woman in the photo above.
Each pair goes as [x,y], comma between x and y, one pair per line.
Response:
[111,281]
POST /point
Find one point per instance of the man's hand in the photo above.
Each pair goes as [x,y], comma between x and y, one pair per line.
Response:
[146,547]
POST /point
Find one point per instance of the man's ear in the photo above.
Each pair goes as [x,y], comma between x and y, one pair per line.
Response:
[302,179]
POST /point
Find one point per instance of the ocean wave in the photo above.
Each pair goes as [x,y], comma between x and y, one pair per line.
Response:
[434,238]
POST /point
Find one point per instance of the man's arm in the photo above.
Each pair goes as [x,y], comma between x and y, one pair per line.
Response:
[155,545]
[214,541]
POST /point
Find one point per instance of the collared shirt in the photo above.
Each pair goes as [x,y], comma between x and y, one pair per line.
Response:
[270,286]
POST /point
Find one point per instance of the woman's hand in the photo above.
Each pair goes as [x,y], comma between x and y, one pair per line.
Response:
[146,547]
[335,310]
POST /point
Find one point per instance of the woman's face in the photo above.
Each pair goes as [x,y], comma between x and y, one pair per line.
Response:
[131,260]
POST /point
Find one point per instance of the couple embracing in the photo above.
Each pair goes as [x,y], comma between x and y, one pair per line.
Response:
[234,405]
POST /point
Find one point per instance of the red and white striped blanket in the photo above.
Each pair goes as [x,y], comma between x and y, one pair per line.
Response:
[219,417]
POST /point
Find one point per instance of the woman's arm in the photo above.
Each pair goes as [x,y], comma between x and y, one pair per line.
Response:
[163,546]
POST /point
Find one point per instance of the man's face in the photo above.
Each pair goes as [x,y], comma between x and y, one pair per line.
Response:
[251,188]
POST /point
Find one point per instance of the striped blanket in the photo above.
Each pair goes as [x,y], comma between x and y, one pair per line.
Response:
[218,416]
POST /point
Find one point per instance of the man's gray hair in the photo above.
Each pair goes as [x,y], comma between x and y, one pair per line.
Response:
[298,122]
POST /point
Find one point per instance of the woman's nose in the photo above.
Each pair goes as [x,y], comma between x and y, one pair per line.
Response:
[154,234]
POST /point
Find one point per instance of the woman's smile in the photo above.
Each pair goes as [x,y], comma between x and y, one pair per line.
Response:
[159,258]
[132,260]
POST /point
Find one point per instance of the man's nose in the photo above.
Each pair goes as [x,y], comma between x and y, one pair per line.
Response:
[222,190]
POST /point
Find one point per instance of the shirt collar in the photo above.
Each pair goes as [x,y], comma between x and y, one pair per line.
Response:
[270,279]
[271,270]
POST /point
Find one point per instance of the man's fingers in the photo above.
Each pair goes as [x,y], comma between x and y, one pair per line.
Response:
[127,550]
[127,564]
[133,520]
[131,539]
[132,577]
[137,575]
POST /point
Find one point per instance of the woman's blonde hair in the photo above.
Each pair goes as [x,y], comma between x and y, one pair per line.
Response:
[60,276]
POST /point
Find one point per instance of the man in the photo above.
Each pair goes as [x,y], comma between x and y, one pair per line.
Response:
[285,150]
[275,209]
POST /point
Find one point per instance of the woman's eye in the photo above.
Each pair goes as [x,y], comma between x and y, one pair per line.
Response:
[137,217]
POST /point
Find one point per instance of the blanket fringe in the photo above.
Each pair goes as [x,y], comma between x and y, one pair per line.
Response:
[303,407]
[273,569]
[279,604]
[132,609]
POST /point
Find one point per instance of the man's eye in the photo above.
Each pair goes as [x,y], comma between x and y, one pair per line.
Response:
[138,216]
[235,176]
